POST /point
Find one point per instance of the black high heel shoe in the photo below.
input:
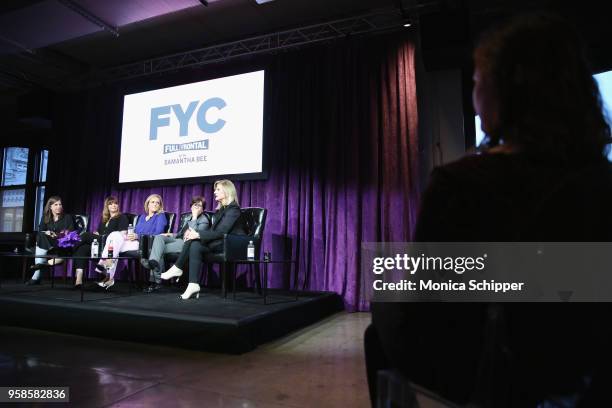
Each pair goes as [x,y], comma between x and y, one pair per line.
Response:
[36,267]
[102,283]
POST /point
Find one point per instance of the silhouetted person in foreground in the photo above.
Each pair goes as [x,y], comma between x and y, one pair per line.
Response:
[546,178]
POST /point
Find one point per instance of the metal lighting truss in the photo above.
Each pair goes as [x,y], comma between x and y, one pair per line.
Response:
[383,20]
[89,16]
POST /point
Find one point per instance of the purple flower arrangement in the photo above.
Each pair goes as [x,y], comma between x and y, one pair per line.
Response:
[68,239]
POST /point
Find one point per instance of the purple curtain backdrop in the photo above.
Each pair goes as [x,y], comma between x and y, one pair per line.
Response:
[341,135]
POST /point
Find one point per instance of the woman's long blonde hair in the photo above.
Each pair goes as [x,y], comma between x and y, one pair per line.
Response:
[230,192]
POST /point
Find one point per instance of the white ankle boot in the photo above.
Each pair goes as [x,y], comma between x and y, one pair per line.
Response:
[193,289]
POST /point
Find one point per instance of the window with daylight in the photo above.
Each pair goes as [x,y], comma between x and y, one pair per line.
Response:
[24,170]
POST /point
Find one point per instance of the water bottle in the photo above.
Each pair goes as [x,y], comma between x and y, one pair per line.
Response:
[27,243]
[95,248]
[251,251]
[130,229]
[110,249]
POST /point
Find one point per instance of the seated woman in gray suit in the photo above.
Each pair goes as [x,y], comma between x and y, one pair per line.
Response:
[173,243]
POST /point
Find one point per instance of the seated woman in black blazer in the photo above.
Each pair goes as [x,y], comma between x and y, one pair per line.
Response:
[225,220]
[112,220]
[53,222]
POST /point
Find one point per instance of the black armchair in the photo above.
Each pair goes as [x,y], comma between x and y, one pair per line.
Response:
[132,218]
[170,218]
[146,241]
[184,217]
[81,222]
[235,246]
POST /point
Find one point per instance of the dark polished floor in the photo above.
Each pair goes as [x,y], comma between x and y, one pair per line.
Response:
[319,366]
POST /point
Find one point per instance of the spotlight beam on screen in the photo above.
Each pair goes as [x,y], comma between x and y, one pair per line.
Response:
[203,129]
[604,81]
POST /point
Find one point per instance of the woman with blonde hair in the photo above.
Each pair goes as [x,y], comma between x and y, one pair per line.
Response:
[225,220]
[173,243]
[152,222]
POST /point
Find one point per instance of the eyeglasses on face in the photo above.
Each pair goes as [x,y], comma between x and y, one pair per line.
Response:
[197,205]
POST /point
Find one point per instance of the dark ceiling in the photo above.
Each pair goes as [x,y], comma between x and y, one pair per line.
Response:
[47,43]
[43,41]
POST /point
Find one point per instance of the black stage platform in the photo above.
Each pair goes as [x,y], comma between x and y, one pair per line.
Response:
[210,323]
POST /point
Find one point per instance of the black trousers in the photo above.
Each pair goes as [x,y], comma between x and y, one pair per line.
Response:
[194,251]
[84,248]
[44,241]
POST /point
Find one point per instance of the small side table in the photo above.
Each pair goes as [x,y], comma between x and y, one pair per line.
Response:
[266,263]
